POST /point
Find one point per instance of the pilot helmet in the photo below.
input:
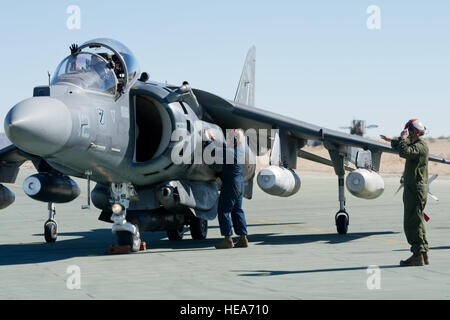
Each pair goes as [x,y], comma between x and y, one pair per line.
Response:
[415,127]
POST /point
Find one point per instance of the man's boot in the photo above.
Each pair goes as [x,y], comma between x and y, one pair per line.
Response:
[226,243]
[415,260]
[242,242]
[426,260]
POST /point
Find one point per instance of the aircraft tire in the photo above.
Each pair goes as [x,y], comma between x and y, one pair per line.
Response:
[125,238]
[176,235]
[199,228]
[50,231]
[342,221]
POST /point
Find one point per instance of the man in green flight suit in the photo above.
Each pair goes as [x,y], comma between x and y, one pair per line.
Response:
[414,149]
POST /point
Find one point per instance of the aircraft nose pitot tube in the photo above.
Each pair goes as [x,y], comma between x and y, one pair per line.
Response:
[365,184]
[278,181]
[39,125]
[48,187]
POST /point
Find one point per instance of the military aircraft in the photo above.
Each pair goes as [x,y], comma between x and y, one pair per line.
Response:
[359,127]
[103,120]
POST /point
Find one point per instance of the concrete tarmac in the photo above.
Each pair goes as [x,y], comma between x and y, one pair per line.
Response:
[294,252]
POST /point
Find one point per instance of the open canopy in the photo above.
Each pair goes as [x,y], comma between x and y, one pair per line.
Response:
[104,65]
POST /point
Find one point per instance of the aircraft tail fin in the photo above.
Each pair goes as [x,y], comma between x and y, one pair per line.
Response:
[245,92]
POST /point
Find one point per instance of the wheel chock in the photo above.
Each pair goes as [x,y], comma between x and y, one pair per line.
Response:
[125,249]
[119,249]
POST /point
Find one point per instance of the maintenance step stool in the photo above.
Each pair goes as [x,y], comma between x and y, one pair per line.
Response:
[125,249]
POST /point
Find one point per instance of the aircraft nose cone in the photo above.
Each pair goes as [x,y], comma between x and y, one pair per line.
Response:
[40,125]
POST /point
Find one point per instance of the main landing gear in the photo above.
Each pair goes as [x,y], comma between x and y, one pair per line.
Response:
[197,226]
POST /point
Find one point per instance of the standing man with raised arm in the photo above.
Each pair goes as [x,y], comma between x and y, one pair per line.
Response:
[414,149]
[229,212]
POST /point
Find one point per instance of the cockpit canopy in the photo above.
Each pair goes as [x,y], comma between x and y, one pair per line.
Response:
[87,72]
[102,65]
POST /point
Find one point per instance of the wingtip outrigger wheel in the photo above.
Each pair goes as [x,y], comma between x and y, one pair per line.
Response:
[342,221]
[50,226]
[342,218]
[50,231]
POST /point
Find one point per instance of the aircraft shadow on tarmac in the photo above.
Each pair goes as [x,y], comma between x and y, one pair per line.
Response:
[96,242]
[265,273]
[329,238]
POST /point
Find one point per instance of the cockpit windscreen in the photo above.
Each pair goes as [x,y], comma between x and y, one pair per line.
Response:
[87,71]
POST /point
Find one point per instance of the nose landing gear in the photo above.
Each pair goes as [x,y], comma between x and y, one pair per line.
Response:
[127,233]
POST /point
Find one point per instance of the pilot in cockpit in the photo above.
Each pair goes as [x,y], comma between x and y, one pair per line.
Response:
[101,65]
[73,65]
[97,65]
[100,76]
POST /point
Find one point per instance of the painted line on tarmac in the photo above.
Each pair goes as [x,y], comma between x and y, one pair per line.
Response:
[388,240]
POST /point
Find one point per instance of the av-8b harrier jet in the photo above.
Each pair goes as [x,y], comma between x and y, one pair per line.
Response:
[359,127]
[102,120]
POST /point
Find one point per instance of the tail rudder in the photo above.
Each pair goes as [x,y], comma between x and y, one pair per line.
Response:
[245,93]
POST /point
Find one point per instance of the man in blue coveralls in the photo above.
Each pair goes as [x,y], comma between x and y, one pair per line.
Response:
[230,199]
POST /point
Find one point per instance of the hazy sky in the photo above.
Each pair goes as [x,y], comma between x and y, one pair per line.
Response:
[316,61]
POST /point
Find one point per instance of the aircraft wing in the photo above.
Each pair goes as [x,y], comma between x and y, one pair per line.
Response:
[229,114]
[438,159]
[10,160]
